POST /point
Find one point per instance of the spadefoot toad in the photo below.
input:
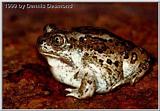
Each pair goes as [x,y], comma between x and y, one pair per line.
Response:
[91,59]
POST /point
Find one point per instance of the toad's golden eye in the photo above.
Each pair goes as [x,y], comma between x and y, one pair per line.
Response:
[58,40]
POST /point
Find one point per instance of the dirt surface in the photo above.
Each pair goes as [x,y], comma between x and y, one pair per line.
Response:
[27,81]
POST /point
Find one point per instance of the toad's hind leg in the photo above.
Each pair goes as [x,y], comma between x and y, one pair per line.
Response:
[86,89]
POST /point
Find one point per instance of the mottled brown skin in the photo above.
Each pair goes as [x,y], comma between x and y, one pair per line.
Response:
[101,52]
[119,46]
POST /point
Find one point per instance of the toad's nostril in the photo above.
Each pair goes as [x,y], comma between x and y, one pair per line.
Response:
[40,40]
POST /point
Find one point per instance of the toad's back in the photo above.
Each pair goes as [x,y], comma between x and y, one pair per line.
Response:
[114,60]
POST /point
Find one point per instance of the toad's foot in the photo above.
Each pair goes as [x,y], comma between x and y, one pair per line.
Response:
[86,89]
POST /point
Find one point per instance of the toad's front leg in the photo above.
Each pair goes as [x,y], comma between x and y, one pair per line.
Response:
[86,89]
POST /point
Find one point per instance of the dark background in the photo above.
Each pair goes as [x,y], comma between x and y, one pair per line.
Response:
[27,81]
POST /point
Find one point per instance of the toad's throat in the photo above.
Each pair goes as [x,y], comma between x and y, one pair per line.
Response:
[62,59]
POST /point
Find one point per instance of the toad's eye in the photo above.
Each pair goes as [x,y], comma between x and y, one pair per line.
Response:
[58,40]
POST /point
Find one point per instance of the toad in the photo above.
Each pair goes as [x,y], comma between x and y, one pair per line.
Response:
[91,59]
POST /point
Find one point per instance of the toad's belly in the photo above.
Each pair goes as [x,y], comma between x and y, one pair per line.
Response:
[66,78]
[63,73]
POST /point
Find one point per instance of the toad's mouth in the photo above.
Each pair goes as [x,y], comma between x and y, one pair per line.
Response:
[50,54]
[62,59]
